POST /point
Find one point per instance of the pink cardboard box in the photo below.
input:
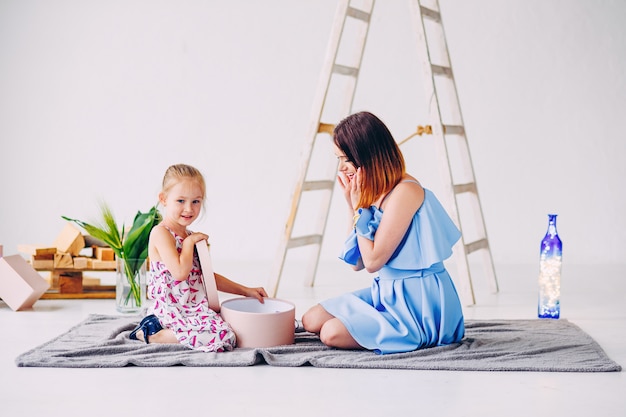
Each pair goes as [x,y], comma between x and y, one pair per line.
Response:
[20,285]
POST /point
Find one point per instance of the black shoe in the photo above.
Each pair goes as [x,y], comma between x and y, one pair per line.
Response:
[149,325]
[133,334]
[299,328]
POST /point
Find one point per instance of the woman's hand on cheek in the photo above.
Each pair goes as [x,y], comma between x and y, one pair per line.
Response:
[355,189]
[344,183]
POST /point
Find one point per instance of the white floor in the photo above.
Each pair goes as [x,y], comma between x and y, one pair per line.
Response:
[593,298]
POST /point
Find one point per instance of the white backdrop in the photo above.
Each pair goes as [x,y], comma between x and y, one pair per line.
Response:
[97,98]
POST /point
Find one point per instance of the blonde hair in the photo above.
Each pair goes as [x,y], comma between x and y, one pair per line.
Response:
[179,172]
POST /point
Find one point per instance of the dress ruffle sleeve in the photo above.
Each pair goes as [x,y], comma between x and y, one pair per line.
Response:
[351,252]
[366,226]
[429,239]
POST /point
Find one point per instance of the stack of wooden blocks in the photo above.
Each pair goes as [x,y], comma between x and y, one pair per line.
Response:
[21,284]
[65,253]
[63,258]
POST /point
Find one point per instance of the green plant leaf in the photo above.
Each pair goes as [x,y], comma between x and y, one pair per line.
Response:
[131,247]
[136,241]
[107,231]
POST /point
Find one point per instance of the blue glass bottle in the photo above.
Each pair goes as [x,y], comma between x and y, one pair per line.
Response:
[550,272]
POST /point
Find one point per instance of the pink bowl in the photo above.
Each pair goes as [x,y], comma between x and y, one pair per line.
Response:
[260,325]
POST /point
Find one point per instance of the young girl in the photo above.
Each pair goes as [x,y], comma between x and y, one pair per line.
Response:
[181,312]
[399,230]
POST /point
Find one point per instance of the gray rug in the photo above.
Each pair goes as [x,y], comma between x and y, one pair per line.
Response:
[102,341]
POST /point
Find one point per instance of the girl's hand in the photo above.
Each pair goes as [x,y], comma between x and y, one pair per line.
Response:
[197,237]
[257,293]
[190,241]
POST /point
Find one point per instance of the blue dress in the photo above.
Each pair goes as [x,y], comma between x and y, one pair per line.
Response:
[413,303]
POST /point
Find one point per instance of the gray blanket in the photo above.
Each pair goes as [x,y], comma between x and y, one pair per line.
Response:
[101,341]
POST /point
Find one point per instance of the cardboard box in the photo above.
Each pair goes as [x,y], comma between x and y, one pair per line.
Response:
[70,240]
[20,285]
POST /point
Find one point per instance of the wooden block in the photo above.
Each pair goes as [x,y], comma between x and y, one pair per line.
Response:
[91,281]
[36,250]
[45,257]
[0,251]
[63,260]
[53,280]
[20,285]
[42,264]
[103,253]
[70,240]
[80,262]
[71,283]
[96,264]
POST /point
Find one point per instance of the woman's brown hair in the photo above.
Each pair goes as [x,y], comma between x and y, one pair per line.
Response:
[367,143]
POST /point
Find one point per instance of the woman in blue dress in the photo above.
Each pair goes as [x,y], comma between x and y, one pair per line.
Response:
[399,231]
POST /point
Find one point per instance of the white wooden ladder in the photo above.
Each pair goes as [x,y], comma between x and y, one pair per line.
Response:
[333,102]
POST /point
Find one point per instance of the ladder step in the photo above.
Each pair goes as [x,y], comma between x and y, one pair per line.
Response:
[318,185]
[345,70]
[477,245]
[453,130]
[441,70]
[470,187]
[358,14]
[296,242]
[431,14]
[326,128]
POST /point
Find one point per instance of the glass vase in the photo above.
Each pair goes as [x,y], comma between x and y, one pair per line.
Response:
[130,289]
[550,272]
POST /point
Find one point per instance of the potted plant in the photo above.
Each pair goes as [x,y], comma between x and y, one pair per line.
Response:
[131,251]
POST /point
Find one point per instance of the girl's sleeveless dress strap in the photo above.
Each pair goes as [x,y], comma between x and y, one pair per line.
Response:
[173,232]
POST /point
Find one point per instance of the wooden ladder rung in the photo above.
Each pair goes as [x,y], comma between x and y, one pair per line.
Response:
[345,70]
[470,187]
[441,70]
[477,245]
[318,185]
[453,130]
[326,128]
[430,13]
[358,14]
[296,242]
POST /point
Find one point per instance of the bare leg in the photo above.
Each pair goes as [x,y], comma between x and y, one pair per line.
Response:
[163,336]
[314,319]
[335,334]
[331,330]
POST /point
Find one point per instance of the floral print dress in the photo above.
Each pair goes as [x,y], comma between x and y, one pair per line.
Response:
[183,307]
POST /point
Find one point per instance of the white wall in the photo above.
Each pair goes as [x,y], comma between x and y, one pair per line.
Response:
[97,98]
